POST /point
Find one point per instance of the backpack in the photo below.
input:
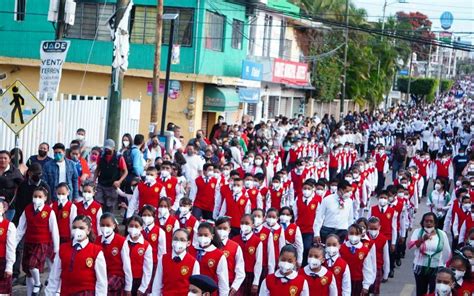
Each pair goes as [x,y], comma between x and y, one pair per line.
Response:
[127,156]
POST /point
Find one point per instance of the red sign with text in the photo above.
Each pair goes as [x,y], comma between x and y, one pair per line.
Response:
[288,72]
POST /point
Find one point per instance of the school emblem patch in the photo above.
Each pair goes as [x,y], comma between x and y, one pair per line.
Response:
[141,251]
[276,236]
[263,236]
[291,231]
[211,263]
[153,237]
[293,290]
[251,250]
[65,214]
[169,228]
[189,229]
[156,190]
[337,270]
[389,215]
[44,214]
[242,201]
[213,185]
[313,206]
[115,251]
[226,254]
[89,262]
[254,192]
[184,270]
[2,231]
[466,293]
[93,211]
[169,186]
[278,194]
[324,280]
[366,245]
[361,255]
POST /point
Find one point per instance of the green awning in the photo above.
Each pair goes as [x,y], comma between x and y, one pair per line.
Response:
[220,99]
[283,6]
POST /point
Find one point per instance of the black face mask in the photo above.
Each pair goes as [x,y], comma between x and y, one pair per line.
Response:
[42,153]
[36,178]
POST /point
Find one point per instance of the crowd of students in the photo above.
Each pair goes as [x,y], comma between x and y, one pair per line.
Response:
[286,207]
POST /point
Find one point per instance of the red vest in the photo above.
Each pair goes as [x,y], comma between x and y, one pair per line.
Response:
[205,194]
[209,262]
[355,261]
[176,275]
[293,155]
[466,289]
[264,234]
[83,268]
[137,258]
[189,225]
[380,242]
[276,241]
[113,255]
[230,252]
[149,195]
[275,198]
[385,220]
[333,161]
[253,195]
[442,169]
[398,209]
[152,237]
[291,288]
[62,216]
[3,237]
[367,242]
[290,233]
[469,224]
[338,269]
[168,229]
[249,250]
[298,180]
[37,225]
[307,213]
[422,166]
[91,212]
[170,187]
[455,210]
[318,285]
[235,209]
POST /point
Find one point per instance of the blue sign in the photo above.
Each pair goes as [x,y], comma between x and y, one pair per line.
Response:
[252,70]
[446,20]
[249,95]
[403,72]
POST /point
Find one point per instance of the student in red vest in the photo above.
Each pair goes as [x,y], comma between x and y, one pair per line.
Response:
[39,226]
[362,263]
[235,204]
[467,226]
[147,192]
[381,252]
[233,253]
[277,233]
[285,281]
[276,197]
[141,256]
[252,187]
[264,234]
[321,281]
[166,221]
[210,256]
[460,214]
[170,184]
[294,153]
[175,268]
[381,163]
[292,231]
[7,250]
[79,259]
[186,220]
[89,207]
[298,175]
[462,273]
[422,162]
[445,283]
[337,265]
[252,250]
[203,193]
[444,170]
[117,258]
[65,212]
[288,188]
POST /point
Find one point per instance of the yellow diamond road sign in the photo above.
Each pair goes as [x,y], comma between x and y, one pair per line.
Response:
[18,106]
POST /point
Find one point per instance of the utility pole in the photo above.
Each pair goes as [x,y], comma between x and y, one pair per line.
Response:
[343,96]
[156,66]
[115,91]
[429,62]
[409,77]
[61,24]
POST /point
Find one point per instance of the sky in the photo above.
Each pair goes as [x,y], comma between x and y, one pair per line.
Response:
[462,10]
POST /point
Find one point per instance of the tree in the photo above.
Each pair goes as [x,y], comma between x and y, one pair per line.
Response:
[446,85]
[419,27]
[420,88]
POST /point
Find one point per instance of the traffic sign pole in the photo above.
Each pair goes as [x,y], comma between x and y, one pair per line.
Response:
[17,151]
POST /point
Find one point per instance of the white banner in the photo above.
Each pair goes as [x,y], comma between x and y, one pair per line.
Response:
[53,55]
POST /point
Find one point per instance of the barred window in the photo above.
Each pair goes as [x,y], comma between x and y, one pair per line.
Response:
[91,18]
[214,31]
[20,10]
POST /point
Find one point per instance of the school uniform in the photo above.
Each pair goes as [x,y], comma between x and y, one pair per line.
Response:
[235,263]
[362,265]
[82,261]
[278,240]
[145,194]
[278,284]
[203,195]
[252,252]
[468,224]
[235,206]
[173,273]
[119,270]
[255,198]
[92,209]
[213,263]
[7,253]
[157,239]
[293,237]
[268,251]
[189,222]
[65,214]
[321,283]
[298,177]
[169,224]
[276,198]
[465,288]
[173,190]
[381,245]
[339,268]
[141,261]
[305,214]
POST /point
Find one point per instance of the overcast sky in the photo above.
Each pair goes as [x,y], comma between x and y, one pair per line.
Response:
[462,10]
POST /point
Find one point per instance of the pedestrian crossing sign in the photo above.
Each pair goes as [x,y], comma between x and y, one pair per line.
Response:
[18,106]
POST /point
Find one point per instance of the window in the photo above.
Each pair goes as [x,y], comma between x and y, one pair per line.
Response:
[214,31]
[143,25]
[282,38]
[20,10]
[267,33]
[237,29]
[91,18]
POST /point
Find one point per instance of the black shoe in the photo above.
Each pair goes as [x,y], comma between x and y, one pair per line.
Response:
[39,291]
[391,274]
[402,255]
[15,282]
[398,262]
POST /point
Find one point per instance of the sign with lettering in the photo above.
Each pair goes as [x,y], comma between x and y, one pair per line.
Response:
[53,55]
[288,72]
[252,70]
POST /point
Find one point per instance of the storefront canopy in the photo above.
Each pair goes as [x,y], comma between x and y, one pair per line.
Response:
[284,6]
[220,99]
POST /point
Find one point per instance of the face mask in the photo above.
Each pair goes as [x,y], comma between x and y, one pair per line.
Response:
[459,275]
[285,219]
[354,239]
[78,234]
[442,289]
[126,143]
[245,229]
[404,185]
[38,202]
[58,156]
[348,180]
[373,233]
[276,186]
[258,221]
[245,165]
[183,211]
[300,168]
[190,153]
[134,232]
[148,220]
[471,243]
[347,195]
[383,202]
[458,183]
[258,162]
[150,179]
[226,173]
[210,174]
[223,234]
[466,207]
[333,189]
[87,196]
[163,212]
[42,153]
[80,137]
[106,231]
[437,186]
[429,229]
[356,176]
[332,251]
[62,198]
[178,246]
[204,241]
[307,192]
[271,221]
[314,263]
[248,184]
[285,267]
[165,174]
[237,189]
[400,194]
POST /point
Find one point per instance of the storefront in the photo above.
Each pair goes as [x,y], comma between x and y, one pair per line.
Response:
[220,101]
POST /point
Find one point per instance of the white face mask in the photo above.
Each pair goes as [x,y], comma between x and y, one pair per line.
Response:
[429,229]
[276,186]
[236,189]
[38,202]
[150,179]
[332,251]
[210,174]
[258,221]
[347,195]
[466,207]
[285,267]
[183,211]
[126,143]
[383,202]
[373,233]
[163,212]
[307,193]
[78,235]
[248,184]
[258,162]
[471,243]
[442,289]
[106,231]
[314,263]
[204,241]
[333,189]
[223,234]
[354,239]
[134,232]
[437,186]
[320,192]
[178,246]
[285,219]
[148,220]
[165,174]
[192,294]
[458,275]
[226,173]
[62,198]
[245,229]
[271,221]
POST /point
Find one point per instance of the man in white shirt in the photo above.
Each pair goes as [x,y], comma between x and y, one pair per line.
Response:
[194,163]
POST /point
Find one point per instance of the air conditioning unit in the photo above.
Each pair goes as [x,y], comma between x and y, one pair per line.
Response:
[70,12]
[53,11]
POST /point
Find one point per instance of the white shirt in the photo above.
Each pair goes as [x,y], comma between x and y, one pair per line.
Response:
[134,201]
[98,215]
[239,268]
[158,281]
[429,246]
[125,255]
[147,264]
[329,214]
[222,272]
[463,230]
[270,251]
[298,244]
[394,226]
[257,269]
[10,246]
[62,171]
[161,239]
[275,228]
[346,277]
[322,272]
[193,166]
[100,268]
[265,292]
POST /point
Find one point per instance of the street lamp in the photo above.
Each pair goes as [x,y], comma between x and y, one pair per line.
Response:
[171,17]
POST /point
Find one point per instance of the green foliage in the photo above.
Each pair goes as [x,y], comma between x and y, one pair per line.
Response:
[327,79]
[420,88]
[446,85]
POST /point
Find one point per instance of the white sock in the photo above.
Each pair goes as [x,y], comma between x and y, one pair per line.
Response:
[35,275]
[29,285]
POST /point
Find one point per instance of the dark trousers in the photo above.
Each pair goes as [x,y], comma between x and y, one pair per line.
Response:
[396,166]
[19,255]
[380,182]
[425,146]
[326,231]
[391,256]
[307,242]
[425,186]
[332,173]
[400,249]
[425,280]
[201,214]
